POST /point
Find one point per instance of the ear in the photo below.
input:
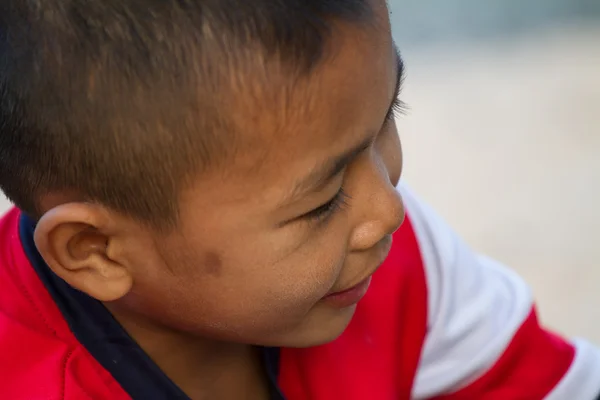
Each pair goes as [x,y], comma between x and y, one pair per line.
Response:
[74,239]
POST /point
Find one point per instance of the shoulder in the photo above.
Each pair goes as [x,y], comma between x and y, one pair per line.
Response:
[41,359]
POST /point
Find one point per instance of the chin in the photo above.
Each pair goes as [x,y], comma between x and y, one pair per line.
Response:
[321,329]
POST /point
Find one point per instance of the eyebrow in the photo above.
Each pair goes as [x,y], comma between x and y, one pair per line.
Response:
[322,174]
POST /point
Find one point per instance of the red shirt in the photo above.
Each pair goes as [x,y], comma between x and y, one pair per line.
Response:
[438,322]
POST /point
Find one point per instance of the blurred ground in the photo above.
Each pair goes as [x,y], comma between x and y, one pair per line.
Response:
[503,138]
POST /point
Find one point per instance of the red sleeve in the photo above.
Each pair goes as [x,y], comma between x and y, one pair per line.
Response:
[483,339]
[533,364]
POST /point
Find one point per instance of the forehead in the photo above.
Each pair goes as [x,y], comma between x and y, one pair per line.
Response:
[288,126]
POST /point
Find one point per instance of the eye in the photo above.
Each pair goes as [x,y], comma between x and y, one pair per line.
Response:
[337,203]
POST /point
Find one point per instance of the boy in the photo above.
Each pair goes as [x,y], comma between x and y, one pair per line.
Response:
[207,194]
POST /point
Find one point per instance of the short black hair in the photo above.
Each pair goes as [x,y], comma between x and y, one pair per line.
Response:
[118,101]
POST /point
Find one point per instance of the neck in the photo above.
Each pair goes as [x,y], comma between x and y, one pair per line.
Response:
[200,367]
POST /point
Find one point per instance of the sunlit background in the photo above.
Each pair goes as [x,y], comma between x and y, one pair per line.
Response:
[503,137]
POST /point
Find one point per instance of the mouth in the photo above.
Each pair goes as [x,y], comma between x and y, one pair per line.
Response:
[350,296]
[355,293]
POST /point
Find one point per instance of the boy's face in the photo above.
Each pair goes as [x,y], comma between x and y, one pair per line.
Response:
[306,211]
[261,247]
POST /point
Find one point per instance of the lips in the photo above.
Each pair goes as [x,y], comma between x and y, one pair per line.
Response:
[386,245]
[350,296]
[354,293]
[357,284]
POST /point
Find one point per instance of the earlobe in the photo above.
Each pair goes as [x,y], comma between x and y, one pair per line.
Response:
[73,240]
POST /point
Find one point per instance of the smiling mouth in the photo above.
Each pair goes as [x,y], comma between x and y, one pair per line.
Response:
[352,295]
[349,297]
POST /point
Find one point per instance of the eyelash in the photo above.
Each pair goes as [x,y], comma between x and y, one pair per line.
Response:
[398,107]
[324,211]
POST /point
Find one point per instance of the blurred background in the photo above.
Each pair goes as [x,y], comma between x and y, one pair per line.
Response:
[503,137]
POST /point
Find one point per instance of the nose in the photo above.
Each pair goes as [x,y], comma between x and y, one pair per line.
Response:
[383,213]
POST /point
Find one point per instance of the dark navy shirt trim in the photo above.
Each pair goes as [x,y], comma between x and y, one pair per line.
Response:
[106,340]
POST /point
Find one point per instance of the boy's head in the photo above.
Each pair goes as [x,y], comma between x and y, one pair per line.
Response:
[211,167]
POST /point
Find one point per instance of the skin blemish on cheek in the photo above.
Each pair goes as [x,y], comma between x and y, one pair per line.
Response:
[213,263]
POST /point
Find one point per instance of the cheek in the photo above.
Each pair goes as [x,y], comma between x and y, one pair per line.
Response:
[308,275]
[254,292]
